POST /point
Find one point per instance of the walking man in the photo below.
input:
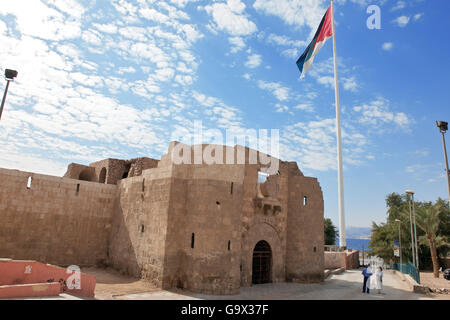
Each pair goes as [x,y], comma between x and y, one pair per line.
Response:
[367,272]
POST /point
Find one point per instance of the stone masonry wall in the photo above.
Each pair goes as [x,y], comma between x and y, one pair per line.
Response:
[52,222]
[140,225]
[305,237]
[206,214]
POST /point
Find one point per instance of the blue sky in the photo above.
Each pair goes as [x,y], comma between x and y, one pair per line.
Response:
[100,79]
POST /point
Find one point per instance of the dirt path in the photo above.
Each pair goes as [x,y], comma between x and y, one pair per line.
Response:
[111,284]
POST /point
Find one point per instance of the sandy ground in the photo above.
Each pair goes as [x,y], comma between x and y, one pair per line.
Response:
[111,284]
[428,279]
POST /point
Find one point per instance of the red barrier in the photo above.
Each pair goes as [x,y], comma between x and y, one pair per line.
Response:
[20,272]
[52,289]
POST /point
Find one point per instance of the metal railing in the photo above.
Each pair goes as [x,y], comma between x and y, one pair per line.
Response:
[407,269]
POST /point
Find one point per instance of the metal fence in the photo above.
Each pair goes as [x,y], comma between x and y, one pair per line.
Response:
[407,269]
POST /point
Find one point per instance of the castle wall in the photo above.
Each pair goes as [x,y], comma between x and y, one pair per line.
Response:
[51,222]
[305,236]
[205,212]
[259,224]
[191,226]
[140,225]
[114,169]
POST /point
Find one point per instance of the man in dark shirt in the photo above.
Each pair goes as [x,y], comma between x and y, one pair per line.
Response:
[366,273]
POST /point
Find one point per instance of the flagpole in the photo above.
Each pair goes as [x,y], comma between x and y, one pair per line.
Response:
[342,239]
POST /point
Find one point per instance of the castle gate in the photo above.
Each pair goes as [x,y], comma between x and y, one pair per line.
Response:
[262,263]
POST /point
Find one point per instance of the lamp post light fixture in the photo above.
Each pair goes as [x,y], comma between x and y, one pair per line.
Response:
[9,76]
[443,127]
[400,242]
[413,235]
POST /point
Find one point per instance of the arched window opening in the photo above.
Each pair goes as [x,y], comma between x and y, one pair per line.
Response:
[102,176]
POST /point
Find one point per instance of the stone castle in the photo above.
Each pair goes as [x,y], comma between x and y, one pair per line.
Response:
[208,228]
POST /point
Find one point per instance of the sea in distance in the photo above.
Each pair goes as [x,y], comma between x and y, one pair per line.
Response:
[356,244]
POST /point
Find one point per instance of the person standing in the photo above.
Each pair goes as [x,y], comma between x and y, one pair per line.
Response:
[367,272]
[379,277]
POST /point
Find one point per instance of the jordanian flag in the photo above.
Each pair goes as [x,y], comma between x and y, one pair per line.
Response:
[324,33]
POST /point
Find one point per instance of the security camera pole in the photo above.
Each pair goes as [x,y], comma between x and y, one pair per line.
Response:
[9,75]
[443,127]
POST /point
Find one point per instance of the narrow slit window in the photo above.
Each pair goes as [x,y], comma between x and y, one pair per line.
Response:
[143,185]
[232,185]
[30,180]
[142,228]
[192,240]
[305,200]
[229,245]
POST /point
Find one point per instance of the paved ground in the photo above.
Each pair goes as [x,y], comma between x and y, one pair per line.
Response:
[346,286]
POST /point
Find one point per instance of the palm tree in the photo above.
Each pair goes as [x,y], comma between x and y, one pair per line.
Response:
[427,219]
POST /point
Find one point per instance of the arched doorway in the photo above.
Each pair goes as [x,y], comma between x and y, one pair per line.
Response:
[102,176]
[262,263]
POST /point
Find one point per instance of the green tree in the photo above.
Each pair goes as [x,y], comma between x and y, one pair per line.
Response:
[331,232]
[428,219]
[398,207]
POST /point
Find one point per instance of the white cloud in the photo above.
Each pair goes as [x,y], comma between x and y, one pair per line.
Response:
[402,21]
[253,61]
[387,46]
[106,28]
[298,13]
[400,5]
[230,18]
[285,41]
[237,44]
[36,19]
[313,144]
[280,92]
[290,53]
[323,72]
[281,108]
[418,16]
[124,70]
[378,113]
[308,107]
[350,84]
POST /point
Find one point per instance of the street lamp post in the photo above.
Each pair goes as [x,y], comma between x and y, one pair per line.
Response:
[9,76]
[415,233]
[414,236]
[400,242]
[443,127]
[410,192]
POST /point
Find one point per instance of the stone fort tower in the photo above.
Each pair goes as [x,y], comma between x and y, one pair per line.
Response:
[206,228]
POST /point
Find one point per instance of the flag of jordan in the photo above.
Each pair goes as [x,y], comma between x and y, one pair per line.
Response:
[325,32]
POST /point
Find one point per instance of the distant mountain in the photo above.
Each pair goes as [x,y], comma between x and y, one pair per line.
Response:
[358,232]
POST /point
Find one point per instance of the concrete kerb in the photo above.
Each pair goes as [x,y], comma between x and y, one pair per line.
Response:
[338,271]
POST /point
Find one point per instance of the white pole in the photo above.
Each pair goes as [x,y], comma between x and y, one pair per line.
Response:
[342,241]
[415,233]
[412,232]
